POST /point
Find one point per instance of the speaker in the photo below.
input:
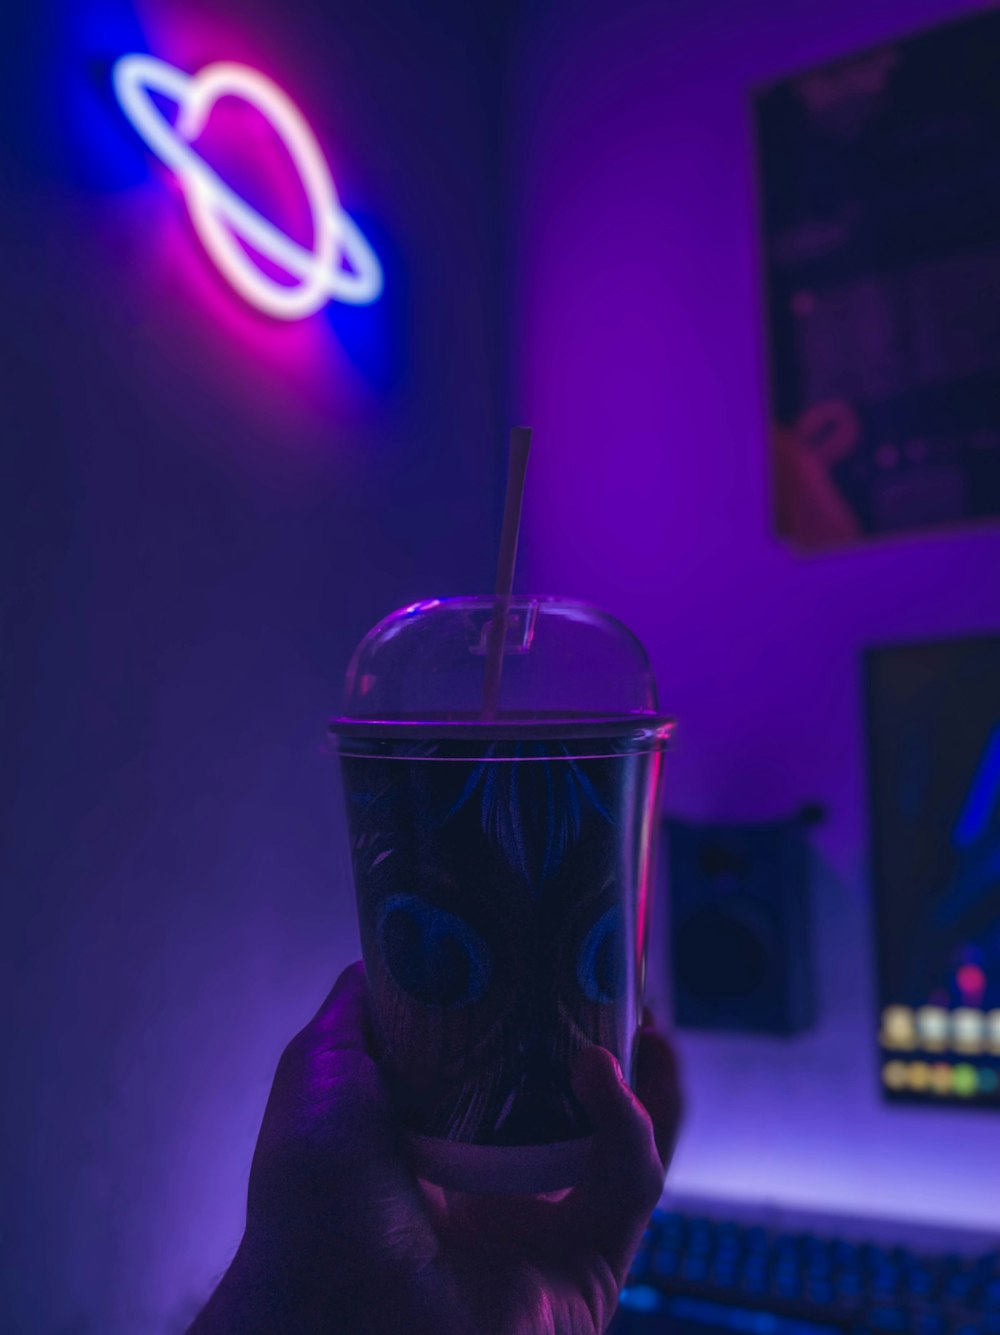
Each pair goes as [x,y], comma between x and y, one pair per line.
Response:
[740,939]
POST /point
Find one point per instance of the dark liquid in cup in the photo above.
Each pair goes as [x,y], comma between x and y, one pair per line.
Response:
[502,908]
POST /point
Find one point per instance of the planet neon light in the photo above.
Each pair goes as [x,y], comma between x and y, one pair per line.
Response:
[221,218]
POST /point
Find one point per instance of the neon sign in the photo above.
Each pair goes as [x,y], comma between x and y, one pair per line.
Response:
[221,218]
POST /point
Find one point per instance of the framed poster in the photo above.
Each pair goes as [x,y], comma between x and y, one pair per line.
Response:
[880,202]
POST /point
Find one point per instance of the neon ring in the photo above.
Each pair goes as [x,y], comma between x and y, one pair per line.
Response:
[221,218]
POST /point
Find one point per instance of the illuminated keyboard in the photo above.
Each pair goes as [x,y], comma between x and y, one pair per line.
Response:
[701,1273]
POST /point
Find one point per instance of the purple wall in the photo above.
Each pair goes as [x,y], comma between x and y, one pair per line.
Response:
[640,363]
[202,510]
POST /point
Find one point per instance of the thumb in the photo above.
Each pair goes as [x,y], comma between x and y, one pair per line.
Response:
[331,1149]
[334,1210]
[327,1081]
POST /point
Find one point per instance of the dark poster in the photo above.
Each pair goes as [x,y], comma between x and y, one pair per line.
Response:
[880,185]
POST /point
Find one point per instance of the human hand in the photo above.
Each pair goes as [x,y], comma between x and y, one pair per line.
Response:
[343,1239]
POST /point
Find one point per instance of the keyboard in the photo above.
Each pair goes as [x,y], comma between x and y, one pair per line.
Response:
[701,1271]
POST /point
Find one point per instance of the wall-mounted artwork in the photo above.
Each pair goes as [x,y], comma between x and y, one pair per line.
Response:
[880,208]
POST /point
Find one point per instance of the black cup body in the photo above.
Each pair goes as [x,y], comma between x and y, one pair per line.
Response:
[502,898]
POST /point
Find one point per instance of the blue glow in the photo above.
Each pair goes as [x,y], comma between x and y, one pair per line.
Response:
[78,121]
[983,798]
[741,1319]
[641,1298]
[369,334]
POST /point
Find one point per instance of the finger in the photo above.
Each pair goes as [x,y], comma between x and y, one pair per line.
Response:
[658,1088]
[328,1064]
[343,1017]
[624,1178]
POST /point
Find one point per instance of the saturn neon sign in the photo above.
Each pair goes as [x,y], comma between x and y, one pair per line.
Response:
[340,265]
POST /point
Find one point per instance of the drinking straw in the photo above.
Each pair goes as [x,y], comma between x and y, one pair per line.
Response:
[517,465]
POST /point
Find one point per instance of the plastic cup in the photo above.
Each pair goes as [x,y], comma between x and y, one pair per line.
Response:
[502,870]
